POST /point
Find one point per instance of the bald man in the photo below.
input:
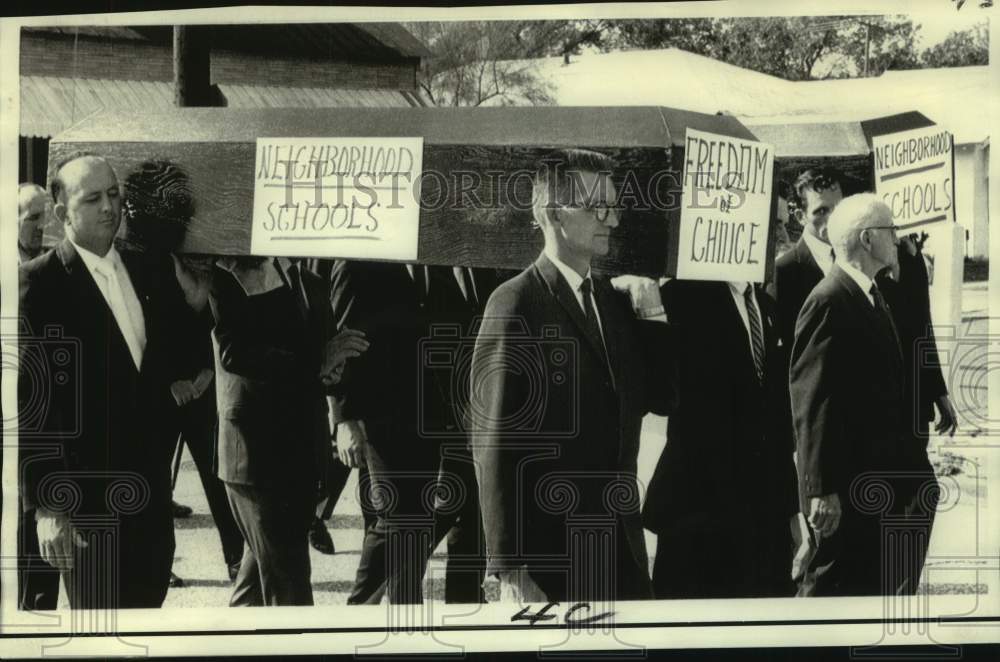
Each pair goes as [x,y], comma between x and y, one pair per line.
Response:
[856,464]
[96,470]
[32,216]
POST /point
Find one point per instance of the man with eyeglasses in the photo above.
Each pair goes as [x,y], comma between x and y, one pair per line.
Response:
[857,462]
[563,371]
[817,192]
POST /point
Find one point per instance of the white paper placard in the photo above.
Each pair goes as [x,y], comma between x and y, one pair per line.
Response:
[725,217]
[914,175]
[337,197]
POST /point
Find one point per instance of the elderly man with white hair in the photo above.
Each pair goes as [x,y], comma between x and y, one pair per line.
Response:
[855,462]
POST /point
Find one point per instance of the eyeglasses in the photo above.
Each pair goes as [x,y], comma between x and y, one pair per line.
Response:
[881,227]
[601,210]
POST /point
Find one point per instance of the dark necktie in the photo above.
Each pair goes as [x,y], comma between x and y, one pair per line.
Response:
[756,332]
[593,326]
[294,281]
[420,282]
[883,308]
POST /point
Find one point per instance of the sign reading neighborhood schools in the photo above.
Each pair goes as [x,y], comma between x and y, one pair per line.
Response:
[725,218]
[914,175]
[337,197]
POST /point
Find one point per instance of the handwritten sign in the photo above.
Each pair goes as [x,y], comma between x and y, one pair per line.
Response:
[337,197]
[914,175]
[725,217]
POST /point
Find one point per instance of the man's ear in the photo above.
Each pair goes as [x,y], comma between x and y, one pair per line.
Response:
[59,211]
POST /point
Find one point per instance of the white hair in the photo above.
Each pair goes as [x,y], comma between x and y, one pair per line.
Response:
[852,215]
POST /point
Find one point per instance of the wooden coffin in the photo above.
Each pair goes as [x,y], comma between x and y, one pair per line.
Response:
[202,160]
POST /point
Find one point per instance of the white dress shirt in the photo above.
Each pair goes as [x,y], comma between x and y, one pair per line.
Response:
[821,251]
[863,281]
[737,288]
[112,279]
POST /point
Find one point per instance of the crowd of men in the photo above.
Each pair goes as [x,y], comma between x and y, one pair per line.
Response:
[502,411]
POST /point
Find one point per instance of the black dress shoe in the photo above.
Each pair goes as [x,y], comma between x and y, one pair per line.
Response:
[175,581]
[320,538]
[181,511]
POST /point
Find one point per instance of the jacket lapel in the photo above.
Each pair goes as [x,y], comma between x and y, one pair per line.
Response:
[89,301]
[873,320]
[142,290]
[560,289]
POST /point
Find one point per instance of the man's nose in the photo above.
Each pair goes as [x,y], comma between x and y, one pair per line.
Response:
[612,220]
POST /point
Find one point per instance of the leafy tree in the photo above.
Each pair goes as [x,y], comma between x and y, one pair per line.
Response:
[795,48]
[477,62]
[961,48]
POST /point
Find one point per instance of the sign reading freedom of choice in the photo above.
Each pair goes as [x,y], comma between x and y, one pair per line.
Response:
[725,218]
[337,197]
[913,175]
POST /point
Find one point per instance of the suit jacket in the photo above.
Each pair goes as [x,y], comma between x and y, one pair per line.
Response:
[909,300]
[729,447]
[796,274]
[87,409]
[555,434]
[395,385]
[273,427]
[847,391]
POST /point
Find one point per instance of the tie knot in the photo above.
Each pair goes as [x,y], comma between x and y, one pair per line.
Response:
[748,292]
[106,268]
[585,287]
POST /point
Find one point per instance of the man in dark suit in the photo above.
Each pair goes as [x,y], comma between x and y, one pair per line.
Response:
[818,191]
[38,582]
[797,272]
[275,362]
[564,370]
[855,459]
[100,462]
[723,492]
[398,419]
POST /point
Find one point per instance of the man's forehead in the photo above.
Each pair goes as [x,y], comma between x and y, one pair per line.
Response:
[824,196]
[89,172]
[589,184]
[32,197]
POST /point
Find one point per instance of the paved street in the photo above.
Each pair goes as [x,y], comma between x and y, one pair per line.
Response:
[199,554]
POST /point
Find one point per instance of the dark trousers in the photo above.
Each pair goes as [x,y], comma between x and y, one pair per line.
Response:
[125,565]
[369,581]
[411,521]
[336,479]
[712,555]
[880,553]
[198,431]
[274,521]
[461,521]
[38,582]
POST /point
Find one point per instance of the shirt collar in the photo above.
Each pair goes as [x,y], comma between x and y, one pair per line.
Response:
[285,264]
[739,287]
[820,251]
[572,277]
[863,281]
[94,261]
